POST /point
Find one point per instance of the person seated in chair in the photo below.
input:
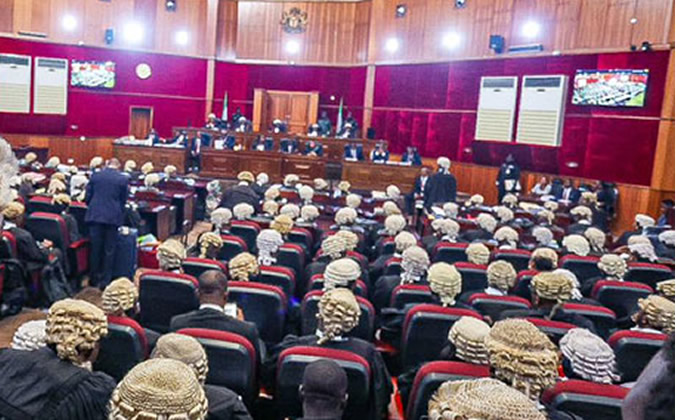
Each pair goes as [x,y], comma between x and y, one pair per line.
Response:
[242,125]
[587,357]
[263,144]
[666,212]
[62,203]
[380,154]
[641,221]
[664,248]
[339,313]
[323,391]
[213,297]
[288,146]
[655,315]
[612,266]
[487,225]
[582,218]
[313,130]
[241,193]
[279,126]
[120,299]
[324,124]
[444,230]
[402,241]
[220,220]
[354,152]
[411,156]
[501,277]
[56,381]
[312,148]
[414,264]
[32,253]
[209,244]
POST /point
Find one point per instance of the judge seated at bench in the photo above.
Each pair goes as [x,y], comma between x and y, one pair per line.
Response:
[411,156]
[279,126]
[288,146]
[154,137]
[354,152]
[212,122]
[324,124]
[347,132]
[312,148]
[380,154]
[242,125]
[313,130]
[181,139]
[263,144]
[226,143]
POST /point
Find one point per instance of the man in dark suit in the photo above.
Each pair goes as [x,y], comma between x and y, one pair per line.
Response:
[442,186]
[354,151]
[213,296]
[411,156]
[569,192]
[240,193]
[312,148]
[289,146]
[418,192]
[106,196]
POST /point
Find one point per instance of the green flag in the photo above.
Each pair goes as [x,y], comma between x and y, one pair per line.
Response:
[339,122]
[224,116]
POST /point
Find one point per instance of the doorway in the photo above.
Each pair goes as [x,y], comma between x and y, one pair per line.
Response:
[140,121]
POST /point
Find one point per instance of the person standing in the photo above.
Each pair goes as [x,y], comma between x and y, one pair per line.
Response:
[508,178]
[106,197]
[442,186]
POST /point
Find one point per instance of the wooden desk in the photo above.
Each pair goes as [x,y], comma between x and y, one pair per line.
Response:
[159,156]
[371,176]
[158,218]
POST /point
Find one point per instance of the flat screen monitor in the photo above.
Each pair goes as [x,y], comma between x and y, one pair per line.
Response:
[92,74]
[612,88]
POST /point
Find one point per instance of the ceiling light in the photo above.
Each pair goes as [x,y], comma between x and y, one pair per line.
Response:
[182,37]
[400,11]
[392,45]
[530,29]
[292,47]
[451,40]
[69,22]
[133,32]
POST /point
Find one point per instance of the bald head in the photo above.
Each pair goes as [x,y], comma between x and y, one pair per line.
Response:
[213,287]
[114,163]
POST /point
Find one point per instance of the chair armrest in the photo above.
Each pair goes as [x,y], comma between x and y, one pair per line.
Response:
[78,256]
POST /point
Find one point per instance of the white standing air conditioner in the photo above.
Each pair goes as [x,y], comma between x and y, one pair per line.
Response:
[497,104]
[15,83]
[542,108]
[50,91]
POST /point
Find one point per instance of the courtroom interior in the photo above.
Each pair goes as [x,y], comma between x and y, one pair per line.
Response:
[337,209]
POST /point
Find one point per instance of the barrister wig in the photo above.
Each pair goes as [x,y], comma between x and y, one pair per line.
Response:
[74,327]
[61,199]
[306,193]
[210,243]
[270,208]
[553,286]
[590,357]
[475,200]
[338,314]
[268,242]
[667,237]
[504,214]
[262,178]
[243,266]
[170,170]
[129,166]
[444,163]
[221,217]
[272,193]
[501,275]
[414,264]
[596,238]
[59,175]
[56,187]
[390,208]
[320,184]
[246,176]
[657,312]
[403,241]
[588,198]
[551,205]
[467,335]
[613,266]
[344,186]
[170,255]
[545,253]
[645,251]
[353,200]
[510,200]
[451,210]
[351,239]
[542,235]
[666,288]
[119,296]
[638,239]
[96,162]
[31,335]
[342,272]
[30,158]
[545,215]
[576,244]
[53,162]
[644,221]
[291,210]
[147,168]
[522,356]
[449,228]
[481,399]
[159,389]
[282,224]
[291,180]
[487,222]
[309,213]
[582,213]
[334,246]
[478,253]
[183,348]
[151,180]
[445,281]
[394,224]
[13,210]
[242,211]
[508,235]
[393,191]
[345,216]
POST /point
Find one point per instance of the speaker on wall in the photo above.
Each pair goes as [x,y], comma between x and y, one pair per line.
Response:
[109,36]
[497,43]
[371,133]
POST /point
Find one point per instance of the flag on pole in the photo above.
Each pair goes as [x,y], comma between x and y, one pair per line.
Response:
[224,115]
[339,122]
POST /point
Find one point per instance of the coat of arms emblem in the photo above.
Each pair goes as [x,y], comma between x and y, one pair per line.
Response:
[294,21]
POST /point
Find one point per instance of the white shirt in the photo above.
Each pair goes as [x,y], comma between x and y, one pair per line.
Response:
[212,306]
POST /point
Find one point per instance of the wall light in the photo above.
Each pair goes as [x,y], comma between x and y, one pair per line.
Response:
[392,45]
[400,11]
[133,32]
[292,47]
[182,37]
[69,22]
[451,40]
[530,29]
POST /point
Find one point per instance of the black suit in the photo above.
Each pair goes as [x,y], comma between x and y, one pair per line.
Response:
[28,250]
[440,188]
[239,194]
[216,320]
[476,235]
[225,404]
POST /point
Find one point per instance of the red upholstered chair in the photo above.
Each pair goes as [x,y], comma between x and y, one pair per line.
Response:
[587,400]
[360,288]
[290,368]
[78,210]
[232,246]
[425,332]
[247,230]
[53,227]
[282,277]
[449,252]
[649,274]
[262,304]
[519,258]
[194,266]
[405,294]
[583,267]
[633,351]
[392,267]
[293,257]
[302,237]
[620,296]
[43,204]
[473,276]
[385,246]
[492,305]
[232,361]
[8,246]
[431,375]
[163,295]
[124,346]
[555,330]
[310,307]
[602,317]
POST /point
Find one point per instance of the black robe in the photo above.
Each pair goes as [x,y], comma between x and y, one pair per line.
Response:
[440,188]
[560,316]
[225,404]
[508,171]
[39,385]
[240,194]
[28,250]
[381,384]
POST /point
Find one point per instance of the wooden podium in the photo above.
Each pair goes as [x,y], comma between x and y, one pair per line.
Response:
[298,108]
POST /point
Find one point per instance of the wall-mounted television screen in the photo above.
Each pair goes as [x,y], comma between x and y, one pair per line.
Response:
[615,88]
[92,74]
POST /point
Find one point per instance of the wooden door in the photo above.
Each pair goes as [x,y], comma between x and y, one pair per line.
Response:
[140,121]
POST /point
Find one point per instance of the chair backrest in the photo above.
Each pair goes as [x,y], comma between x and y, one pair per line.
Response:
[49,226]
[587,400]
[310,307]
[519,258]
[492,305]
[392,267]
[405,294]
[649,274]
[293,257]
[360,288]
[602,317]
[78,210]
[633,351]
[522,286]
[232,360]
[8,245]
[620,296]
[425,332]
[430,377]
[473,276]
[163,295]
[124,346]
[41,204]
[281,277]
[449,252]
[194,266]
[583,267]
[386,246]
[555,330]
[290,368]
[301,236]
[232,246]
[247,230]
[262,304]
